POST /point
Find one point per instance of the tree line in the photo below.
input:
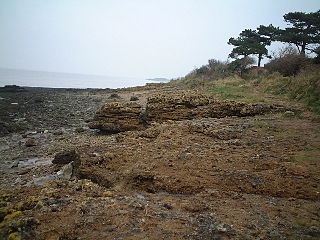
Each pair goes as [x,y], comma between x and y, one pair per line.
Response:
[303,31]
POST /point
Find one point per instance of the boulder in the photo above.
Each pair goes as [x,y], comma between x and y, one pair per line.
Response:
[118,117]
[179,106]
[66,157]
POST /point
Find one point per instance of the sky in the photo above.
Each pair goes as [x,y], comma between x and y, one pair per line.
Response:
[129,38]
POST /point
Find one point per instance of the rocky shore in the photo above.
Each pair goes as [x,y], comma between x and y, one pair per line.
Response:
[155,162]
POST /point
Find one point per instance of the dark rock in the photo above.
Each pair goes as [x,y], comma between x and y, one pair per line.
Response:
[12,88]
[30,143]
[167,206]
[79,129]
[66,157]
[114,95]
[134,98]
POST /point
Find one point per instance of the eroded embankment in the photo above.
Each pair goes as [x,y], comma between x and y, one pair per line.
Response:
[197,151]
[194,168]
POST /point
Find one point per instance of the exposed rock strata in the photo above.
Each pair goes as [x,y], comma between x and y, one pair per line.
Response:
[118,117]
[189,106]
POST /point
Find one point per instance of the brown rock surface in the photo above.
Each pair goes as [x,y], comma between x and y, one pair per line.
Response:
[190,105]
[66,157]
[252,177]
[118,117]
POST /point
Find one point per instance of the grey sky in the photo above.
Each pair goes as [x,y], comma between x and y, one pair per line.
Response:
[133,38]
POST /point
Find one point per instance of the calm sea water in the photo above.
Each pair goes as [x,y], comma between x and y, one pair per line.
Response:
[64,80]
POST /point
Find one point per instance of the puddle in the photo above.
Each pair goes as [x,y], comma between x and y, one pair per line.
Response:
[35,162]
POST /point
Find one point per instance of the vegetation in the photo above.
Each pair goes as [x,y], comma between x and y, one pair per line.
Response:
[305,87]
[289,73]
[250,42]
[303,32]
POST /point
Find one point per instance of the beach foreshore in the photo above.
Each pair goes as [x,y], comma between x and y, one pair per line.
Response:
[194,168]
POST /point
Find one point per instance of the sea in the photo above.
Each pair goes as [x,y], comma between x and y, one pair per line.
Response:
[27,78]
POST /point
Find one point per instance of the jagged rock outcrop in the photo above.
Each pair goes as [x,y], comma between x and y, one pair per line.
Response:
[118,117]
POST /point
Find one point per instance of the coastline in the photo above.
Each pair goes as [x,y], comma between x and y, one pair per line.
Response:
[186,173]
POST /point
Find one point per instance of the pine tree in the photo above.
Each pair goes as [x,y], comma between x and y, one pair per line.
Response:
[303,32]
[249,42]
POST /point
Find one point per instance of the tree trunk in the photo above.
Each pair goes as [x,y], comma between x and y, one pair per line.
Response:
[303,49]
[259,60]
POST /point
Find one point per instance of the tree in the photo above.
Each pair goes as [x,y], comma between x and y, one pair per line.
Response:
[249,42]
[240,65]
[303,32]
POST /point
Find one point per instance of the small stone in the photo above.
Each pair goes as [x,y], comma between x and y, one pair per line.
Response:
[79,129]
[18,180]
[140,196]
[66,172]
[24,171]
[96,154]
[15,164]
[46,131]
[167,206]
[136,205]
[30,143]
[222,228]
[58,132]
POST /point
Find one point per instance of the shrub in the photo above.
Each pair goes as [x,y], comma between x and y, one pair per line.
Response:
[304,87]
[288,65]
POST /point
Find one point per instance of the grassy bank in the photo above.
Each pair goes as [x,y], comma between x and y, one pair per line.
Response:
[304,87]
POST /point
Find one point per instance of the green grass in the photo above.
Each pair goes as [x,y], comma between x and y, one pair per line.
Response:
[301,158]
[304,88]
[234,93]
[307,155]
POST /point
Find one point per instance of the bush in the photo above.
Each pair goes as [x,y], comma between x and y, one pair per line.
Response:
[304,87]
[240,65]
[288,65]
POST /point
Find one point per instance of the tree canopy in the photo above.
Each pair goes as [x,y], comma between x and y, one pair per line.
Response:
[303,31]
[249,42]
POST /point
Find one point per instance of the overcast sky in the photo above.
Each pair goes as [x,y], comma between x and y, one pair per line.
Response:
[132,38]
